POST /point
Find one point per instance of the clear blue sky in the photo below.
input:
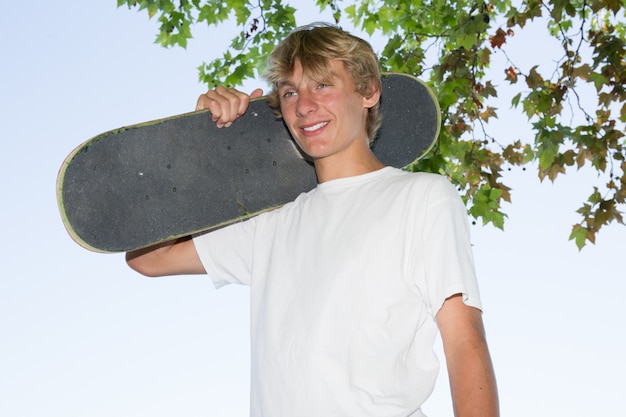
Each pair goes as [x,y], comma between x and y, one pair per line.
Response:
[82,335]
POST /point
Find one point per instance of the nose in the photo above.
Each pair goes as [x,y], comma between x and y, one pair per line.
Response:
[305,103]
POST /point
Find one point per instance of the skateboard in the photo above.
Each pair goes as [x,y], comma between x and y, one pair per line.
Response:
[144,184]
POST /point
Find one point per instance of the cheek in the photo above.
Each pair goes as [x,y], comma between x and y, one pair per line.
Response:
[287,113]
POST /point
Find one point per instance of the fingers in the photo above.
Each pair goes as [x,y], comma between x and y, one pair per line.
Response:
[226,104]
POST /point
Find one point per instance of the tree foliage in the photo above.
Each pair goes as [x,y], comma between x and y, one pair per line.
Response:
[451,45]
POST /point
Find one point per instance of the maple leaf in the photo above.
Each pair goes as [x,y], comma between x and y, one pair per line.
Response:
[498,39]
[511,74]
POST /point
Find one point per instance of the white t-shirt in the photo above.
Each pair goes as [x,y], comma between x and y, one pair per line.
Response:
[345,283]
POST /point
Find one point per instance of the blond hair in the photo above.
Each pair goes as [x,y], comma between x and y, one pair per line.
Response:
[314,46]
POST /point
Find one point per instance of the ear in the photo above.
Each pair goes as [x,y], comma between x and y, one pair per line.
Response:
[373,96]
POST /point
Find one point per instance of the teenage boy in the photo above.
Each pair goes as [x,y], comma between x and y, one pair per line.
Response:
[350,281]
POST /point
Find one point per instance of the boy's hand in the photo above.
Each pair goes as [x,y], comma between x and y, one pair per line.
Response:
[226,104]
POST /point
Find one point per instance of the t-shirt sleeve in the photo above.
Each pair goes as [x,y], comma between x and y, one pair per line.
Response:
[226,253]
[449,262]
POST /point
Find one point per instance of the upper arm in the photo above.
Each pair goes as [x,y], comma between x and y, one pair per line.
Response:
[472,380]
[462,332]
[176,257]
[459,322]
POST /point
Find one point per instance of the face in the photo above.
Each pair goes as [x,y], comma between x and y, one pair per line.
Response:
[326,118]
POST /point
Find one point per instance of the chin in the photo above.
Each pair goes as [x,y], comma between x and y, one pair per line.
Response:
[312,150]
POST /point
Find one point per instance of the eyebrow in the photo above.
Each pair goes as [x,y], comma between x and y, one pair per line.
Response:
[285,83]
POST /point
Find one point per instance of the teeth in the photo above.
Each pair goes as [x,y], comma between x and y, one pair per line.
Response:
[315,127]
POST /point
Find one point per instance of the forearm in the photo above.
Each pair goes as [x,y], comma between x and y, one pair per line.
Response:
[169,258]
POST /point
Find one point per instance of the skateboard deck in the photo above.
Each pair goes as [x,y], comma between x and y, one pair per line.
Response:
[140,185]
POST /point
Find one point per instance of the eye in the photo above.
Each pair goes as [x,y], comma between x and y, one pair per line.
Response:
[288,94]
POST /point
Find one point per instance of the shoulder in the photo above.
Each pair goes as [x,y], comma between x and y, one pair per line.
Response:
[431,195]
[421,177]
[425,182]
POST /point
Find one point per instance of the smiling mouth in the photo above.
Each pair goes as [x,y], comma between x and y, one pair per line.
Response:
[314,127]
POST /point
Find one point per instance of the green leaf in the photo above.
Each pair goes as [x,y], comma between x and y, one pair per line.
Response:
[579,235]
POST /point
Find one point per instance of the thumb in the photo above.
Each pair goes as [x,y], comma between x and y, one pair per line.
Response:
[256,93]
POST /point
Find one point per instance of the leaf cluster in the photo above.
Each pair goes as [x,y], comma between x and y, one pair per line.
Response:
[452,46]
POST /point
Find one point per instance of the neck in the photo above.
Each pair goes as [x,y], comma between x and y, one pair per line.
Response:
[343,166]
